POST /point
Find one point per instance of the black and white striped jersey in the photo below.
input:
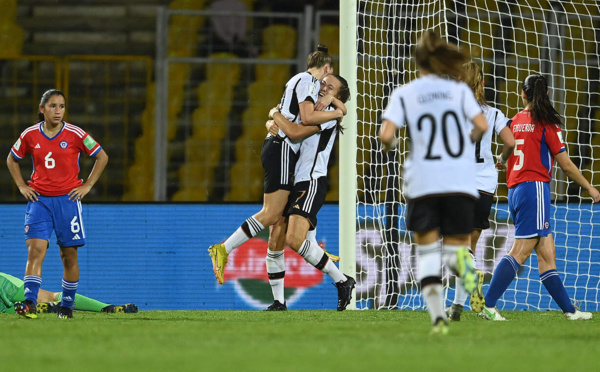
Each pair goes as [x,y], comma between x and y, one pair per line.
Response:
[315,152]
[437,113]
[300,88]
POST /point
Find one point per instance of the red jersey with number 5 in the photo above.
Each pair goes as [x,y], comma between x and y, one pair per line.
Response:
[535,148]
[56,159]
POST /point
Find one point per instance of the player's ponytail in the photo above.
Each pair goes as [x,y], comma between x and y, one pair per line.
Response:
[45,97]
[435,55]
[472,75]
[540,107]
[320,58]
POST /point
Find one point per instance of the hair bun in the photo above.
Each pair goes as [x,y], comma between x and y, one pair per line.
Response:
[322,48]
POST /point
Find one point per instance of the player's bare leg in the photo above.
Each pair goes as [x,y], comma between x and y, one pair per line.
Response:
[272,210]
[296,238]
[36,252]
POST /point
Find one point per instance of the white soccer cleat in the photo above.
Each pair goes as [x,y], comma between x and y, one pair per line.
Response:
[579,315]
[491,313]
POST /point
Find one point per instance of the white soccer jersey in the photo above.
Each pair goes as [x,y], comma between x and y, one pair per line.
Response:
[300,88]
[487,176]
[315,152]
[437,113]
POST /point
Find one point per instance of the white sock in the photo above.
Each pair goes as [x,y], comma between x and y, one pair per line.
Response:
[276,270]
[460,293]
[429,261]
[317,257]
[429,268]
[333,271]
[248,230]
[433,294]
[449,256]
[312,236]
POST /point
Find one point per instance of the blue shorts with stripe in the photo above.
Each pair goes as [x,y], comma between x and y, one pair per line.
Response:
[58,214]
[529,205]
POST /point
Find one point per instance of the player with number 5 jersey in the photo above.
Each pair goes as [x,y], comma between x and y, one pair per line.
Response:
[54,195]
[538,143]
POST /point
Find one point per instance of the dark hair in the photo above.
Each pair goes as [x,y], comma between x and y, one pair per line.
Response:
[46,97]
[473,76]
[344,96]
[536,93]
[320,58]
[344,92]
[441,58]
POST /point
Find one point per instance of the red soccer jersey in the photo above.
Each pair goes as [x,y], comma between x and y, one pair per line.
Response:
[535,148]
[55,160]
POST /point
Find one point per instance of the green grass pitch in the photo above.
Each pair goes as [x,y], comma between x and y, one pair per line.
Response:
[369,341]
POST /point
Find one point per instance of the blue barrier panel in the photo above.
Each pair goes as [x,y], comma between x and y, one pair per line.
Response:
[155,255]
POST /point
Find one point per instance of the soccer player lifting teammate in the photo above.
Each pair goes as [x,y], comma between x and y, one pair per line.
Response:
[280,154]
[443,121]
[538,143]
[308,196]
[54,195]
[487,176]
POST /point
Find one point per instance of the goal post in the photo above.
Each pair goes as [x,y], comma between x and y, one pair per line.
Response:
[347,185]
[510,40]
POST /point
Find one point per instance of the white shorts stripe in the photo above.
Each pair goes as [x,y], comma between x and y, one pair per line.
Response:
[540,205]
[283,165]
[312,191]
[79,212]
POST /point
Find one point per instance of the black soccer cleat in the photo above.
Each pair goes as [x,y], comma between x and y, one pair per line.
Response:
[65,313]
[127,308]
[345,292]
[48,307]
[277,306]
[26,308]
[453,312]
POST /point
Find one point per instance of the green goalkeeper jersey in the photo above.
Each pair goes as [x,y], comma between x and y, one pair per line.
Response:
[9,290]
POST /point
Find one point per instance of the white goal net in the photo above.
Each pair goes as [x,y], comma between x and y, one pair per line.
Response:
[510,40]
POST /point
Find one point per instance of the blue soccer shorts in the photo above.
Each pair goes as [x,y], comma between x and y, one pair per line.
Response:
[529,205]
[58,214]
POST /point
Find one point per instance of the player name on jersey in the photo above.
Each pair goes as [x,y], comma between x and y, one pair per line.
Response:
[523,127]
[432,96]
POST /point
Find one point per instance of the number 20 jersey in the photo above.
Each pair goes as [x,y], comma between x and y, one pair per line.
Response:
[56,159]
[437,113]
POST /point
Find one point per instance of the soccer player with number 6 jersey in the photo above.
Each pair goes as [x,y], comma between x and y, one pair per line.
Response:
[54,195]
[538,143]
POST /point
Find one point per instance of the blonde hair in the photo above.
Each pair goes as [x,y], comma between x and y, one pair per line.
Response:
[434,54]
[472,75]
[320,58]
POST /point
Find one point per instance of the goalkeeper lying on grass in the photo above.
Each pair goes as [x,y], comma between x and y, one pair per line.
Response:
[11,291]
